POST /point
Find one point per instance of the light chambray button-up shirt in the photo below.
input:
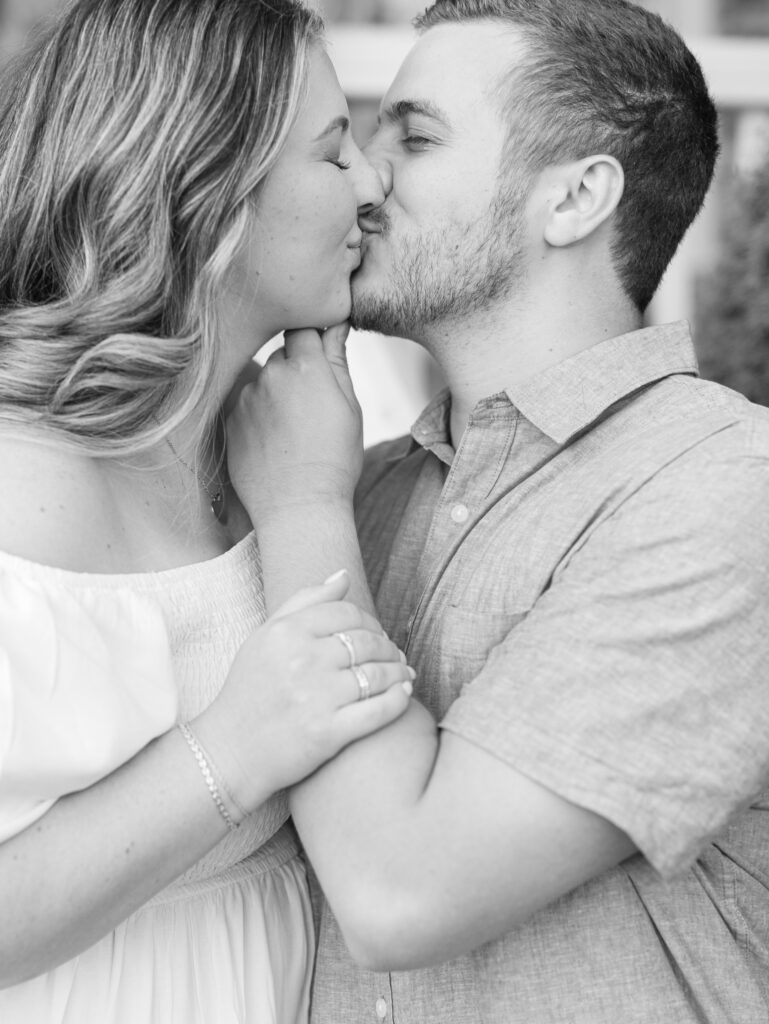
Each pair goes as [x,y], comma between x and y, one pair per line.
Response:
[583,589]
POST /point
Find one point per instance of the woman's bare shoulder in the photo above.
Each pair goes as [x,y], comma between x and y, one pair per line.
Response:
[48,500]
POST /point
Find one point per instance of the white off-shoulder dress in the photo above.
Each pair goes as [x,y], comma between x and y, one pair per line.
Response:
[92,667]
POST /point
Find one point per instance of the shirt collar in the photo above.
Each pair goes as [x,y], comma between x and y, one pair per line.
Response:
[432,430]
[566,398]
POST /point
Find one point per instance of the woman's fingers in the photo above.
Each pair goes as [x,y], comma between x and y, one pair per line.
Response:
[305,342]
[293,684]
[309,342]
[371,679]
[321,613]
[357,646]
[333,589]
[334,341]
[330,346]
[361,717]
[326,618]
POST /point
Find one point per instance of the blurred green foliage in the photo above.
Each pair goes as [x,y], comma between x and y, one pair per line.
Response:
[732,328]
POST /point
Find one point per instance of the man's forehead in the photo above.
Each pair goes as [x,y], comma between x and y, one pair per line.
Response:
[456,62]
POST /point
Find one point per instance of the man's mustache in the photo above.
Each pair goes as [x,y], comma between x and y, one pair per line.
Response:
[378,218]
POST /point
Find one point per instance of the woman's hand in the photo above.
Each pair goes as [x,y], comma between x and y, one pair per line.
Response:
[294,437]
[289,703]
[291,700]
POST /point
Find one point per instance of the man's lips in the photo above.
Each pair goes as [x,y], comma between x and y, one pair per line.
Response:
[367,236]
[369,226]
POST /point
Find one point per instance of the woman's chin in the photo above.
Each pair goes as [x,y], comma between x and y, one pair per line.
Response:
[334,308]
[336,313]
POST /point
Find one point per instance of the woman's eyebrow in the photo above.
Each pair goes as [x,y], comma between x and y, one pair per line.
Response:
[340,122]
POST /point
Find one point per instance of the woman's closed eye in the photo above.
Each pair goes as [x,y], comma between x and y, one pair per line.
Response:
[333,155]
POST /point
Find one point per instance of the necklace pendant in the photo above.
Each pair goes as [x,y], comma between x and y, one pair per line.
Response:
[217,503]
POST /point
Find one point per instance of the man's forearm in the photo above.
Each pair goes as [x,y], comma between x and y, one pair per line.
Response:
[427,849]
[356,816]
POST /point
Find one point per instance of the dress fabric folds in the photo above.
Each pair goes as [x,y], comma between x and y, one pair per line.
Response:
[92,667]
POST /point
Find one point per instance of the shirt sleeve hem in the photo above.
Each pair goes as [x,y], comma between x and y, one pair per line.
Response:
[598,787]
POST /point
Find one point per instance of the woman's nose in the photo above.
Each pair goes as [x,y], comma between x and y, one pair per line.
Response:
[382,167]
[369,188]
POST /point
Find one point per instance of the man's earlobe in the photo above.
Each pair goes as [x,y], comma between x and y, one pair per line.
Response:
[591,190]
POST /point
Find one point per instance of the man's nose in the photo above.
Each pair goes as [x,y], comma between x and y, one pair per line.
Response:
[381,165]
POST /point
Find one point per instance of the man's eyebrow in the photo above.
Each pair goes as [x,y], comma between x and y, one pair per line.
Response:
[402,108]
[340,122]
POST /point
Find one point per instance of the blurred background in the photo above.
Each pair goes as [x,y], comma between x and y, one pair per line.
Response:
[719,280]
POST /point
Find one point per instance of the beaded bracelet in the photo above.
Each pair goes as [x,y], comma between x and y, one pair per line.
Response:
[205,771]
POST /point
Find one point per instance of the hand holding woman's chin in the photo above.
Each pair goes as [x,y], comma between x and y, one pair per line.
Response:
[294,436]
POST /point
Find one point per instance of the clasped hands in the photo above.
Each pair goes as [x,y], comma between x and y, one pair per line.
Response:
[295,694]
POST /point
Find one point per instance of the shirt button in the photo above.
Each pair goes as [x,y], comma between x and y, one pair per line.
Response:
[460,513]
[381,1008]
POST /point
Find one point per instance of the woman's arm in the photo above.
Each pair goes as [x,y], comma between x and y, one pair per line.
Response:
[97,855]
[295,451]
[426,846]
[288,704]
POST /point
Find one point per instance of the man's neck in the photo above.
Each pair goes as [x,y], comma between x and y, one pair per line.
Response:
[493,350]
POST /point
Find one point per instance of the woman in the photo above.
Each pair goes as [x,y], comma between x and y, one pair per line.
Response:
[177,184]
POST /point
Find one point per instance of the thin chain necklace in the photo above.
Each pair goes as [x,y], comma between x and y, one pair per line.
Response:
[216,498]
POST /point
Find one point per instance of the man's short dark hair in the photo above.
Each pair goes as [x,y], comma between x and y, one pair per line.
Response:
[607,76]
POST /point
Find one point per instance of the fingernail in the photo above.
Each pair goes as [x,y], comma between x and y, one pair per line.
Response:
[408,687]
[411,672]
[403,657]
[335,577]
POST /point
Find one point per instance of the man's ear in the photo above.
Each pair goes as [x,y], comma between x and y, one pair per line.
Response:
[584,195]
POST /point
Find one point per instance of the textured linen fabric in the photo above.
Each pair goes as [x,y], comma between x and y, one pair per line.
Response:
[583,590]
[92,667]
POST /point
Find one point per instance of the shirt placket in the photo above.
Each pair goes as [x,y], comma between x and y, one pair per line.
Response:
[475,471]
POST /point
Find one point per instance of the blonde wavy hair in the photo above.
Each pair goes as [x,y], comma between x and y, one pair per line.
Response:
[134,135]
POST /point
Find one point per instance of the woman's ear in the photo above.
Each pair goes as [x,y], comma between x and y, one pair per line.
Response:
[586,194]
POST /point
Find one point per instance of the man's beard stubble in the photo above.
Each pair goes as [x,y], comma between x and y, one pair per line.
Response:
[443,275]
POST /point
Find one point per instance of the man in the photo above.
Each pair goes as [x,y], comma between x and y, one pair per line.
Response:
[572,549]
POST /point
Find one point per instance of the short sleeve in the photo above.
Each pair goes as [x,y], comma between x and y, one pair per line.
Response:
[638,684]
[86,681]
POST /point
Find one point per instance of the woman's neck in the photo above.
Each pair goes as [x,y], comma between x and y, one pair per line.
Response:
[75,512]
